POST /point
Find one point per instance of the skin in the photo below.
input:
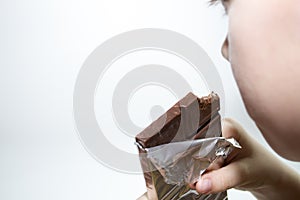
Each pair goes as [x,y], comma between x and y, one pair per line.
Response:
[263,48]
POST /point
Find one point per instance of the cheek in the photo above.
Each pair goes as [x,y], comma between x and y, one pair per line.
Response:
[246,49]
[264,46]
[261,52]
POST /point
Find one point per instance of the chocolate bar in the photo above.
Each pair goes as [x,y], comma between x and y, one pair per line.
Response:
[190,118]
[167,127]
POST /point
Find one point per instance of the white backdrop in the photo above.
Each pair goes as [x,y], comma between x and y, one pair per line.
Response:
[42,47]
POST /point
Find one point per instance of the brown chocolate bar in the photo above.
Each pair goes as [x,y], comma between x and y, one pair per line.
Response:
[169,128]
[190,118]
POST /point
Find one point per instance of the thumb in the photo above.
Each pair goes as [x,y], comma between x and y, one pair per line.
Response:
[222,179]
[231,129]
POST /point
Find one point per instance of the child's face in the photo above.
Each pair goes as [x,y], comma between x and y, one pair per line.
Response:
[263,47]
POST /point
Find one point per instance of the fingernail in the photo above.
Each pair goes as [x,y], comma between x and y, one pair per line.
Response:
[205,185]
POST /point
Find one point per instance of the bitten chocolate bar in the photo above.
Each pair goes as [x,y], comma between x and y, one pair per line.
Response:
[190,118]
[180,122]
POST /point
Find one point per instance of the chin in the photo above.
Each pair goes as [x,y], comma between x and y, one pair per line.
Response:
[281,143]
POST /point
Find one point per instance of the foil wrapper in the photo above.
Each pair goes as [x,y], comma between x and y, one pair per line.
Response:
[175,165]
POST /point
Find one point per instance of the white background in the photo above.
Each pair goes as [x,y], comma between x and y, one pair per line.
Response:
[42,47]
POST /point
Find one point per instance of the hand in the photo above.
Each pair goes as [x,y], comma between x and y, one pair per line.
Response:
[253,169]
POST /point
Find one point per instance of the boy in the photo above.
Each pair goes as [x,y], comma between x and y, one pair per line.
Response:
[263,47]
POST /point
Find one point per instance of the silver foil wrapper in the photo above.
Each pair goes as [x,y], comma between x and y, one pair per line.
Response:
[183,163]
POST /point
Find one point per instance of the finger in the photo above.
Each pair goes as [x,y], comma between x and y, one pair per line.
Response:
[233,155]
[231,129]
[222,179]
[216,164]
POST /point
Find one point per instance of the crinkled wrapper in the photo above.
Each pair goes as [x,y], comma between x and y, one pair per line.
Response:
[175,165]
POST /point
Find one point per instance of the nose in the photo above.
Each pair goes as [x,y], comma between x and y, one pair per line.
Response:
[225,49]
